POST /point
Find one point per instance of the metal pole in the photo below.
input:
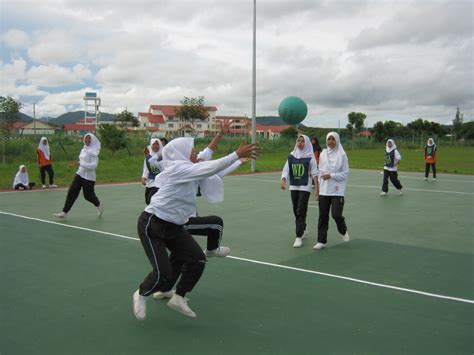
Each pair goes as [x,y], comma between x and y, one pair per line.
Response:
[254,91]
[34,119]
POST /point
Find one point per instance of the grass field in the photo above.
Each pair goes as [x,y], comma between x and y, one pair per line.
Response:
[123,167]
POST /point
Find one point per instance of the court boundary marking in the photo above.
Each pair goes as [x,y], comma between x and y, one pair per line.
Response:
[402,289]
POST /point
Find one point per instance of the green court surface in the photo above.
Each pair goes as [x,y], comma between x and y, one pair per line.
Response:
[403,284]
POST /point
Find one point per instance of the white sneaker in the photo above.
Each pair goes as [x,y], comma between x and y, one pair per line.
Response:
[62,215]
[346,237]
[44,186]
[383,194]
[180,304]
[100,210]
[220,252]
[426,179]
[401,192]
[298,242]
[434,179]
[139,305]
[163,294]
[319,246]
[53,185]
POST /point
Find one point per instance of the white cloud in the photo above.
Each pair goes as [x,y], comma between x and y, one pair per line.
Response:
[55,47]
[53,75]
[389,59]
[16,39]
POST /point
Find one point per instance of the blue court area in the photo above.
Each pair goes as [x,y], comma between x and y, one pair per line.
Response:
[403,284]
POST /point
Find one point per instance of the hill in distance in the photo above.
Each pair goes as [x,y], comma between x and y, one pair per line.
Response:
[73,117]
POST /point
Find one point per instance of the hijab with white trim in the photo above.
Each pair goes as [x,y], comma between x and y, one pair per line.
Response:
[331,160]
[151,152]
[94,147]
[21,177]
[428,142]
[392,148]
[306,152]
[44,147]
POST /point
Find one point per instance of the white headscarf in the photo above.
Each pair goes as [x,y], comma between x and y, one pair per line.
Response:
[176,154]
[21,177]
[330,160]
[306,152]
[158,154]
[178,150]
[394,146]
[44,147]
[428,142]
[94,147]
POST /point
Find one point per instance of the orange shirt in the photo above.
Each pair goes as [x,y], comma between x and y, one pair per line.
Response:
[42,161]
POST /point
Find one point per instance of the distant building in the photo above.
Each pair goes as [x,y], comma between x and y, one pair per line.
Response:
[270,132]
[37,127]
[163,119]
[79,128]
[365,134]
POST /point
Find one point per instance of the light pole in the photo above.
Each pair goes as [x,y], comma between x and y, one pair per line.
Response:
[34,118]
[254,91]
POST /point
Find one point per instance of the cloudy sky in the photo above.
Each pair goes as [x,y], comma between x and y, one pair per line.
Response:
[396,60]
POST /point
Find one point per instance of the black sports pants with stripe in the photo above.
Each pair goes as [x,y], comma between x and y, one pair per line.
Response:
[211,226]
[87,187]
[335,204]
[186,257]
[299,200]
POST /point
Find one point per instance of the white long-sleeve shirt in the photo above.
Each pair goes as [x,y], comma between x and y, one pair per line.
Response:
[206,154]
[87,165]
[336,185]
[175,201]
[313,171]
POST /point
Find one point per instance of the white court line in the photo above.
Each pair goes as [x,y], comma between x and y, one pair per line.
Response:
[370,186]
[428,294]
[439,180]
[67,188]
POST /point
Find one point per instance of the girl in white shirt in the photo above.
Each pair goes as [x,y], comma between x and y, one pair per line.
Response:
[161,225]
[392,159]
[151,168]
[85,177]
[333,174]
[301,169]
[22,180]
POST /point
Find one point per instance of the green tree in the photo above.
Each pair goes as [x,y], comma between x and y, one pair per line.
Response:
[356,123]
[356,120]
[112,137]
[192,110]
[125,118]
[9,109]
[289,133]
[467,130]
[378,131]
[457,123]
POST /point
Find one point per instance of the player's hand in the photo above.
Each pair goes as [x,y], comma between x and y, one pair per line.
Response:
[143,181]
[283,184]
[244,160]
[326,176]
[251,151]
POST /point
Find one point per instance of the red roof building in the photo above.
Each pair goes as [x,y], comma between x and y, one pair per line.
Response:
[79,128]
